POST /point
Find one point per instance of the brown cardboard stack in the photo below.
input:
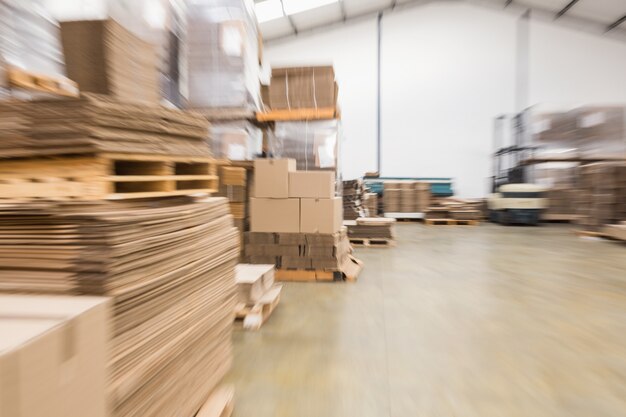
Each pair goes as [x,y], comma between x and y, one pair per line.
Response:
[372,228]
[103,57]
[53,354]
[234,186]
[319,251]
[602,131]
[303,87]
[391,196]
[406,196]
[370,201]
[94,124]
[454,208]
[353,192]
[169,266]
[603,194]
[562,202]
[616,231]
[253,282]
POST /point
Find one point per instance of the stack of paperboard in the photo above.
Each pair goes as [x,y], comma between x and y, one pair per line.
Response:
[562,201]
[103,57]
[290,201]
[320,251]
[407,197]
[370,202]
[616,231]
[602,131]
[223,54]
[53,355]
[29,39]
[169,266]
[603,194]
[95,123]
[236,140]
[391,196]
[234,186]
[372,228]
[454,208]
[353,193]
[303,87]
[314,144]
[253,282]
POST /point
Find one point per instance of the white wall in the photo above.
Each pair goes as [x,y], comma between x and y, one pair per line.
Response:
[447,70]
[352,50]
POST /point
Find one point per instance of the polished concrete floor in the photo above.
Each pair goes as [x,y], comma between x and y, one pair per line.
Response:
[454,321]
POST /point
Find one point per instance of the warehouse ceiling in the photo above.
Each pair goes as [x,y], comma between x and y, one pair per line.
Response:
[284,18]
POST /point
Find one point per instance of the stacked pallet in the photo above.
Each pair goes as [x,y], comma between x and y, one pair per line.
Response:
[103,148]
[353,192]
[377,231]
[168,265]
[234,186]
[319,256]
[562,204]
[257,294]
[603,194]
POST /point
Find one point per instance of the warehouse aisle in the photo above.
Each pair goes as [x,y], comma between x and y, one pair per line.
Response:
[454,321]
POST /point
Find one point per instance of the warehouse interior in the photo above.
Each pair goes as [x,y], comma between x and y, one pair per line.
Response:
[216,208]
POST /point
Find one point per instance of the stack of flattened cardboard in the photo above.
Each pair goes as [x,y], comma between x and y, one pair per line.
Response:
[616,231]
[370,201]
[407,197]
[53,354]
[94,124]
[562,201]
[234,186]
[455,209]
[372,228]
[603,196]
[169,266]
[303,87]
[103,57]
[353,193]
[391,196]
[327,251]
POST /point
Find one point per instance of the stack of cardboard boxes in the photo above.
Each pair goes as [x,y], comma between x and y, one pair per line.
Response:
[234,186]
[353,193]
[296,220]
[406,196]
[603,196]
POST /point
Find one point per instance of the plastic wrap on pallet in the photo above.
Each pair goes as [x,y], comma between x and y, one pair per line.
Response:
[602,131]
[223,60]
[237,140]
[29,39]
[313,144]
[554,133]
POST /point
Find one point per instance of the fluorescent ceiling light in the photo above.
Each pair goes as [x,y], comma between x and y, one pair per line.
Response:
[268,10]
[297,6]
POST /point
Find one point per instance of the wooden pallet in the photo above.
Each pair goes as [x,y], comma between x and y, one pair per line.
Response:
[451,222]
[304,275]
[20,78]
[372,242]
[107,176]
[220,403]
[253,317]
[322,113]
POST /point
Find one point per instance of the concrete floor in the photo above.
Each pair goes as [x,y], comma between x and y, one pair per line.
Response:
[454,321]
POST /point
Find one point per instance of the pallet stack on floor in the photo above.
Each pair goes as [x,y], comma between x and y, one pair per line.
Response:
[370,202]
[445,211]
[403,198]
[296,223]
[372,232]
[353,194]
[603,195]
[257,294]
[105,209]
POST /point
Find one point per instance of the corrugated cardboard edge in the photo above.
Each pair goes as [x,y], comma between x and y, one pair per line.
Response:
[220,403]
[351,267]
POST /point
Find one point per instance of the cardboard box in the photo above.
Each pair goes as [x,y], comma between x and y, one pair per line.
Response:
[53,356]
[291,239]
[321,215]
[312,184]
[253,238]
[275,215]
[272,177]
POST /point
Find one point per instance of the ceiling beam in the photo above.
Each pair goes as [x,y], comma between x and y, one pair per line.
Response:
[291,22]
[344,15]
[616,23]
[393,4]
[565,9]
[508,3]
